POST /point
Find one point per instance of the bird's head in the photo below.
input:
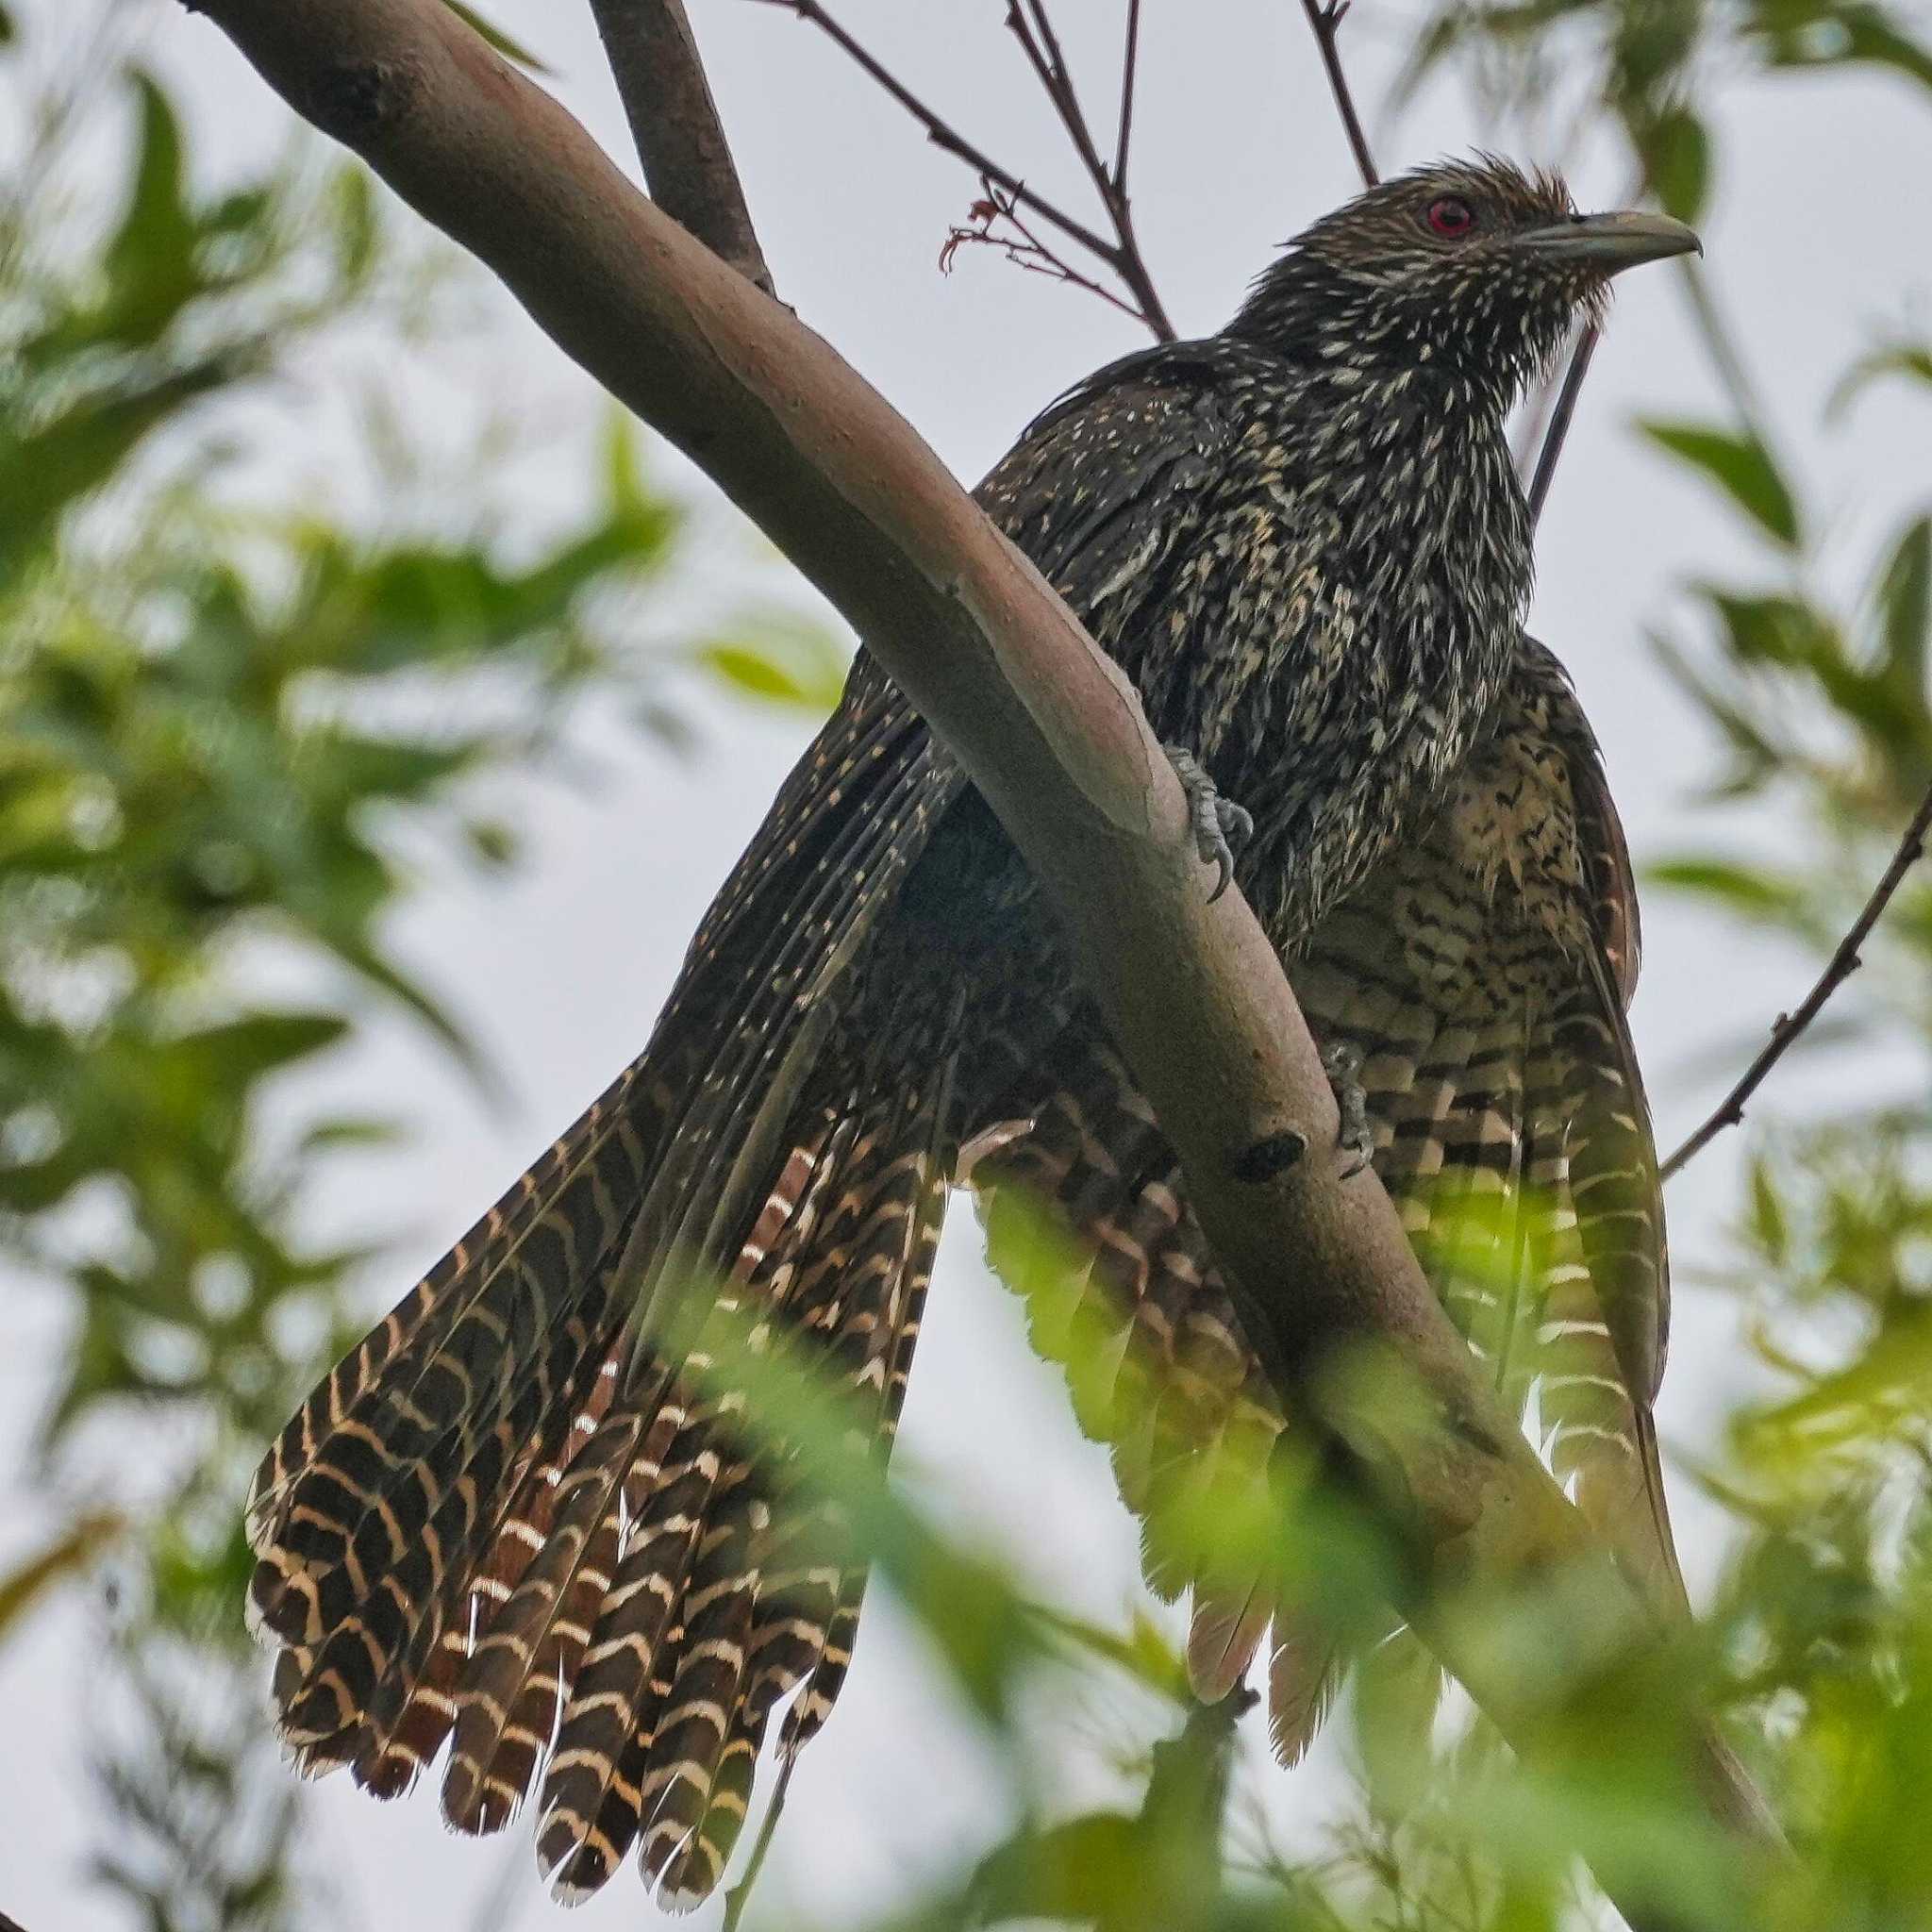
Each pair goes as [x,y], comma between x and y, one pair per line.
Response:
[1474,270]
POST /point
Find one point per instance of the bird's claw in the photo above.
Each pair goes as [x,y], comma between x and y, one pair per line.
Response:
[1220,826]
[1343,1063]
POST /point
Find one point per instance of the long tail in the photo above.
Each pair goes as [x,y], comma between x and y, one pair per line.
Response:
[503,1522]
[1518,1152]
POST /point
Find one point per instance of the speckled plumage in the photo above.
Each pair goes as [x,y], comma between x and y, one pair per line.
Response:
[502,1522]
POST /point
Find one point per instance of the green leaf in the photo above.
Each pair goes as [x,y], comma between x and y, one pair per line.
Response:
[1911,362]
[1675,150]
[1769,1226]
[241,1051]
[495,37]
[1835,33]
[353,204]
[42,473]
[150,261]
[1905,604]
[1742,888]
[1784,631]
[1088,1868]
[7,31]
[780,661]
[1741,466]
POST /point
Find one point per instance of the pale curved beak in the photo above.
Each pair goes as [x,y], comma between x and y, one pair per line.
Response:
[1612,242]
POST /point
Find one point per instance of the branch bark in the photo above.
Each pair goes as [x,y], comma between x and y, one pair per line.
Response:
[1054,736]
[673,121]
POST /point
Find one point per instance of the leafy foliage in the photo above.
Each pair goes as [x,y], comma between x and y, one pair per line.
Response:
[220,704]
[215,711]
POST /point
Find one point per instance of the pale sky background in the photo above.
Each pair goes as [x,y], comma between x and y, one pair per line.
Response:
[559,973]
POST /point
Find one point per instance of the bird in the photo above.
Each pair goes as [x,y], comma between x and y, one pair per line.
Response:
[519,1522]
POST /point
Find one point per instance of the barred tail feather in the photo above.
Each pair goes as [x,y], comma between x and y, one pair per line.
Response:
[506,1521]
[1605,1312]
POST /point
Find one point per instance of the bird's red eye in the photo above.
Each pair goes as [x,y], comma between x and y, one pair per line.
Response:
[1451,216]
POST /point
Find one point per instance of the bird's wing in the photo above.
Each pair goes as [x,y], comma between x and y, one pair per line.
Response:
[1479,975]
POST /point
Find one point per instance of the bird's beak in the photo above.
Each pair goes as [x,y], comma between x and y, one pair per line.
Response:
[1611,243]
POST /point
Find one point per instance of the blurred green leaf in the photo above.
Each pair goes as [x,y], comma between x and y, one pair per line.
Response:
[150,263]
[1740,466]
[1835,33]
[779,661]
[1675,151]
[1905,601]
[357,232]
[1911,362]
[495,37]
[44,469]
[1746,888]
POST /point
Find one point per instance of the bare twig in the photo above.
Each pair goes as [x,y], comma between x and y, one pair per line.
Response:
[1023,247]
[1843,963]
[1560,418]
[944,135]
[1120,255]
[1130,69]
[1049,64]
[738,1897]
[1326,18]
[1720,346]
[673,121]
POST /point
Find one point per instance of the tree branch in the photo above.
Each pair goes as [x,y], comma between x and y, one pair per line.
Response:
[1122,256]
[995,222]
[1842,964]
[1130,75]
[673,121]
[944,135]
[1326,18]
[1049,64]
[1560,418]
[1055,738]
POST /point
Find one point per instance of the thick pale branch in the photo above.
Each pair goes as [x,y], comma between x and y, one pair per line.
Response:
[673,121]
[1049,730]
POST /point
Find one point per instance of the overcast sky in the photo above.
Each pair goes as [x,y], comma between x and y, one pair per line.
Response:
[558,975]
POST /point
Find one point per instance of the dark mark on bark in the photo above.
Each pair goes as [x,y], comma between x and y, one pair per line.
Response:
[352,102]
[1274,1154]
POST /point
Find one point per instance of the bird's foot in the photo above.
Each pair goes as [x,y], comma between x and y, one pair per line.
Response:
[1343,1063]
[1221,828]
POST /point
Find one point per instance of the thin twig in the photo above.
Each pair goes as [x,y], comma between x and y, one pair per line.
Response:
[1130,66]
[1560,418]
[1120,255]
[1048,61]
[673,122]
[1326,18]
[945,136]
[1844,962]
[1721,347]
[740,1895]
[1024,248]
